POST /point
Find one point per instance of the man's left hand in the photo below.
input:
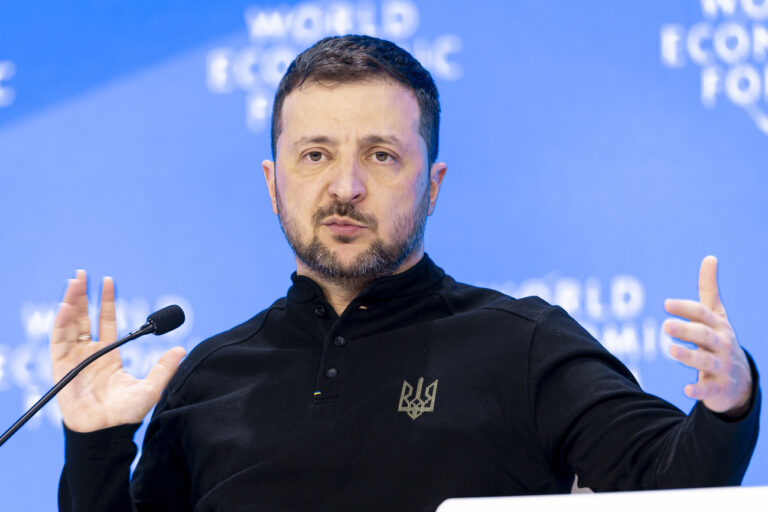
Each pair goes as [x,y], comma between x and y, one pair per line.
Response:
[725,380]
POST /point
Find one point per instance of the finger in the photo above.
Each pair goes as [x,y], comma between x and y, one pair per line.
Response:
[81,303]
[74,289]
[699,334]
[709,294]
[67,315]
[701,390]
[162,372]
[64,344]
[64,326]
[695,312]
[698,359]
[107,317]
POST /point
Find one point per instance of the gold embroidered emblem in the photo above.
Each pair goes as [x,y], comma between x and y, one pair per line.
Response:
[413,404]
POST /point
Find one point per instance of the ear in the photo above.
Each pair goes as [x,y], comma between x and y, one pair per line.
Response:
[436,175]
[269,176]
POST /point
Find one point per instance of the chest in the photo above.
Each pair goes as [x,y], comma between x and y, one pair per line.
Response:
[442,403]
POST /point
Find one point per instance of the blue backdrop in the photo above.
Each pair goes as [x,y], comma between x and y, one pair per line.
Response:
[596,152]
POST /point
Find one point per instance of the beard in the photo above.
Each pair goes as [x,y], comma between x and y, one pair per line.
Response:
[379,259]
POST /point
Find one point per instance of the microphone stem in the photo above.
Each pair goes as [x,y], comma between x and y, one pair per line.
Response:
[145,329]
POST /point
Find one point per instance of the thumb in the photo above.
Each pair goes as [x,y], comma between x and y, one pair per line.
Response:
[161,373]
[708,291]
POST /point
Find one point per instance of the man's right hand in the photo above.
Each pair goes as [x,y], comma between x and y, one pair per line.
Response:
[103,394]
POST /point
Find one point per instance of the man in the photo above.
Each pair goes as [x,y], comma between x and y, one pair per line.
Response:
[379,383]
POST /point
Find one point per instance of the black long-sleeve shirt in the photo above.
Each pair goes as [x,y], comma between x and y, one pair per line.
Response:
[423,389]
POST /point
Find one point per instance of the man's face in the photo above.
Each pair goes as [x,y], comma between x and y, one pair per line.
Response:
[350,184]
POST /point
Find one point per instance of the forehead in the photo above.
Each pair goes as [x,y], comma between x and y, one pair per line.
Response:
[350,112]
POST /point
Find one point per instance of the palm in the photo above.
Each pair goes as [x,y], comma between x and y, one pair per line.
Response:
[102,395]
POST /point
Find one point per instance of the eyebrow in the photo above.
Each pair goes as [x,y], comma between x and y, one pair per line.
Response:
[380,139]
[368,140]
[314,139]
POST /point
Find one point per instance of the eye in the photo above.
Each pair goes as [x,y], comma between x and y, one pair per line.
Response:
[314,156]
[382,156]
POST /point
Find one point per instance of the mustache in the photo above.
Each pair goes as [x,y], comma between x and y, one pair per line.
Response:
[344,210]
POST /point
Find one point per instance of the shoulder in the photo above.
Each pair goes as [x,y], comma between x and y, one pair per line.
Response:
[527,318]
[239,334]
[462,297]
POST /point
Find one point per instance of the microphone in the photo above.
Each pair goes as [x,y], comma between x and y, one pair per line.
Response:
[160,322]
[166,319]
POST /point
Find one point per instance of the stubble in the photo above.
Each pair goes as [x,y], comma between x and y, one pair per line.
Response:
[378,260]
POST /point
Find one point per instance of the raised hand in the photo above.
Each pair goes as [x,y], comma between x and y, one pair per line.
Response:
[103,395]
[725,380]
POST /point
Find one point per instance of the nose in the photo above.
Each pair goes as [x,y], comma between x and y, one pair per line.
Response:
[347,183]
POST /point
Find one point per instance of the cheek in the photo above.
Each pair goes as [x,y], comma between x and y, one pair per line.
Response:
[409,195]
[400,207]
[293,193]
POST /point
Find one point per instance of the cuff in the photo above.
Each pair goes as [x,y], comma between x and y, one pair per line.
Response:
[81,446]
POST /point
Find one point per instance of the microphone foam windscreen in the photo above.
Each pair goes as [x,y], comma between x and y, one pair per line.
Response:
[166,319]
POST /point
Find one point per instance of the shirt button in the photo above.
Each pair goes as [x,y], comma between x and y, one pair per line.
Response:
[331,373]
[339,341]
[320,310]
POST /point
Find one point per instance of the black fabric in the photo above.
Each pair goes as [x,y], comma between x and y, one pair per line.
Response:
[109,452]
[525,398]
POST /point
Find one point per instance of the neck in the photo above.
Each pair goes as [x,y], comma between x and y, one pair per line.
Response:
[340,292]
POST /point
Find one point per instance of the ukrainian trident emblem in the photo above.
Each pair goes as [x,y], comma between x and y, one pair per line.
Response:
[414,405]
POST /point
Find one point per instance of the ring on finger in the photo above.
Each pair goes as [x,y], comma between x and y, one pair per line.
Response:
[84,337]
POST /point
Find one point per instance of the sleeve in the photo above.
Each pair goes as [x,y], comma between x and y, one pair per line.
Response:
[161,481]
[593,419]
[96,474]
[96,470]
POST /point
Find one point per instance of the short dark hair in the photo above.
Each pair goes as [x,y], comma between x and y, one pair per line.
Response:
[355,58]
